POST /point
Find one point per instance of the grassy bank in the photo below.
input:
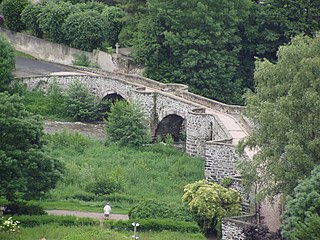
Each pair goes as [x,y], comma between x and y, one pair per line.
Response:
[96,173]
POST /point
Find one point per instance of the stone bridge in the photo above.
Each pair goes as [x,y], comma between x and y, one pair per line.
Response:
[212,128]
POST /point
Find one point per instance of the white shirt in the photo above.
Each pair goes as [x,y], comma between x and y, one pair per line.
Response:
[107,209]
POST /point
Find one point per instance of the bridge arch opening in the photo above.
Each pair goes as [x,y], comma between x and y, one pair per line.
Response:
[108,100]
[172,124]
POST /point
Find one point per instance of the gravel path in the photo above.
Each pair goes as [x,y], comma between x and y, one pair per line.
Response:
[87,214]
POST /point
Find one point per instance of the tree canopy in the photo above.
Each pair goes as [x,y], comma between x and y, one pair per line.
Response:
[25,168]
[194,43]
[7,62]
[285,110]
[302,210]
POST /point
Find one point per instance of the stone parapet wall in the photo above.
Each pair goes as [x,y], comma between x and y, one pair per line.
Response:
[232,228]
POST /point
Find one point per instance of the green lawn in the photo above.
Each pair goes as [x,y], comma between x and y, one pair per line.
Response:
[56,232]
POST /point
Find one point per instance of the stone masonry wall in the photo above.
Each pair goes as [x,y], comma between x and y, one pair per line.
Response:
[232,228]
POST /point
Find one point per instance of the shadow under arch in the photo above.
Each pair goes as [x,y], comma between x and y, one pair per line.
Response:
[171,124]
[109,99]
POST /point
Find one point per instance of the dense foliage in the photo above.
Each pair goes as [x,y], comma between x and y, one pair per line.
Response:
[210,202]
[84,30]
[285,110]
[113,17]
[302,209]
[26,169]
[156,209]
[7,62]
[126,125]
[195,43]
[81,104]
[29,17]
[12,10]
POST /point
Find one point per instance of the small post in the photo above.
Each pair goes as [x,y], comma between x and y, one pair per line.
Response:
[117,48]
[135,225]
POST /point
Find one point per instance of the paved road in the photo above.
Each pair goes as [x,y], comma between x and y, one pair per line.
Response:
[32,67]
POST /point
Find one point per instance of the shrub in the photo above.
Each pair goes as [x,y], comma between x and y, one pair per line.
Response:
[21,207]
[7,62]
[8,225]
[84,30]
[155,209]
[29,17]
[81,60]
[113,16]
[156,225]
[32,221]
[81,104]
[126,125]
[12,10]
[52,17]
[105,185]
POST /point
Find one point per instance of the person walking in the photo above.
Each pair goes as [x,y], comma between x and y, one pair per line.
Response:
[107,210]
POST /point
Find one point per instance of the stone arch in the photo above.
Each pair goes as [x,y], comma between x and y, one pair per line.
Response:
[110,98]
[171,124]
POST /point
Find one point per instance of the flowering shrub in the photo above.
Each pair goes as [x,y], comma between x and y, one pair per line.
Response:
[8,225]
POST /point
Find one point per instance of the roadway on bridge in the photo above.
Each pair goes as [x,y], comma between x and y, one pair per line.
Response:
[32,67]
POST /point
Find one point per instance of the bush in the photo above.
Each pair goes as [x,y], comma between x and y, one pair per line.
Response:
[29,17]
[84,30]
[105,185]
[7,62]
[12,10]
[81,60]
[113,16]
[126,125]
[32,221]
[82,105]
[155,209]
[156,225]
[52,17]
[21,207]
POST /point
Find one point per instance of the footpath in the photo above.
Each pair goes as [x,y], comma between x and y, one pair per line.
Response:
[87,214]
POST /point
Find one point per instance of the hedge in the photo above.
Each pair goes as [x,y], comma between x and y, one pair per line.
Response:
[32,221]
[156,225]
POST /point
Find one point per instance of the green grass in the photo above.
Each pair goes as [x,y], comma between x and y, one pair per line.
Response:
[151,172]
[24,55]
[55,232]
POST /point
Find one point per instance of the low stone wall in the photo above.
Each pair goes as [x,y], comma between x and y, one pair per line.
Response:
[232,228]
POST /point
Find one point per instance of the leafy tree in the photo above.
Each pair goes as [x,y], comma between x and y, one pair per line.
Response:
[52,16]
[210,202]
[12,10]
[126,125]
[270,24]
[84,30]
[29,17]
[81,104]
[194,43]
[135,10]
[7,62]
[285,110]
[113,16]
[300,217]
[94,6]
[25,167]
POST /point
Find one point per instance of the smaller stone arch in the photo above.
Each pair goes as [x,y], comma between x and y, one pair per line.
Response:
[172,124]
[109,99]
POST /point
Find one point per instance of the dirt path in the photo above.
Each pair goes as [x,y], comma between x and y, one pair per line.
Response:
[87,214]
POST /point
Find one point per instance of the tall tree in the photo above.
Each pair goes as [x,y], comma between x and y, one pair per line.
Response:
[25,168]
[12,10]
[285,110]
[301,218]
[272,23]
[7,62]
[195,43]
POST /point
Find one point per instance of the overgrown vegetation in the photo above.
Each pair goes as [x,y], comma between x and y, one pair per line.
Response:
[7,62]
